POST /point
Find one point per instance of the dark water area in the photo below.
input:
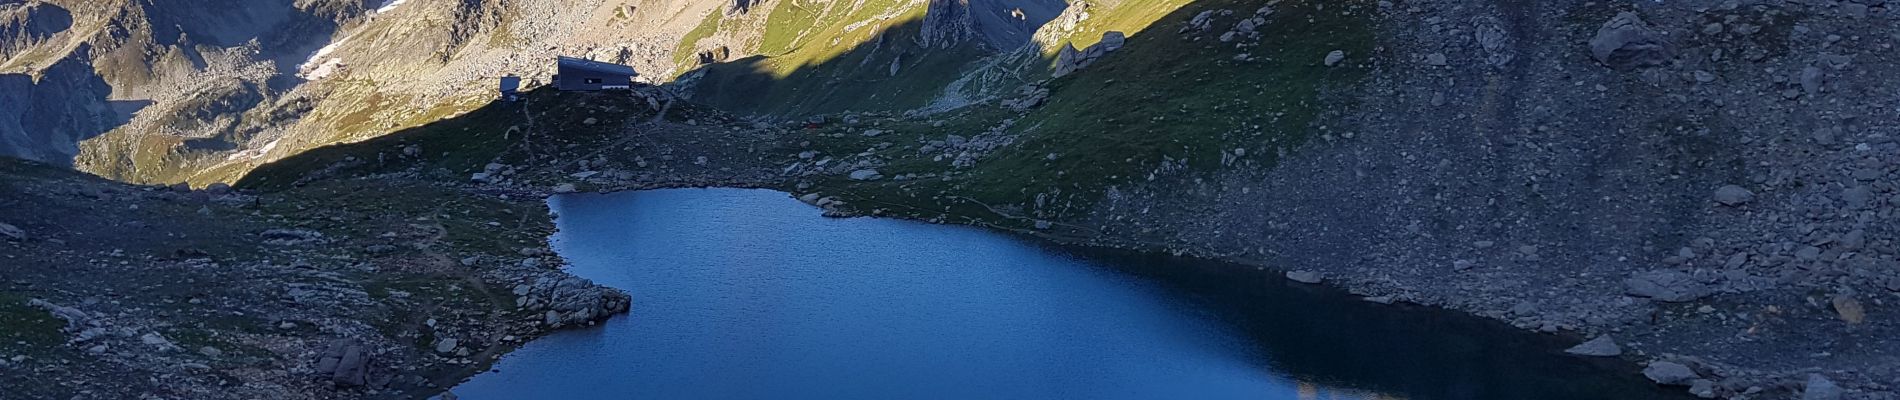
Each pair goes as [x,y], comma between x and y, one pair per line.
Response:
[749,294]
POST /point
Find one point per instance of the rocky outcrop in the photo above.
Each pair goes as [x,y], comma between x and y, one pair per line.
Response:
[345,362]
[568,301]
[23,26]
[948,23]
[1069,60]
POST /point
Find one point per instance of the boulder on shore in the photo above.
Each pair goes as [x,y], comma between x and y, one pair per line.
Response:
[1670,373]
[1307,277]
[1602,346]
[1820,388]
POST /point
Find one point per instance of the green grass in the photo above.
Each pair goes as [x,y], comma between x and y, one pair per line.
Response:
[816,76]
[1166,98]
[685,54]
[787,25]
[1162,97]
[20,322]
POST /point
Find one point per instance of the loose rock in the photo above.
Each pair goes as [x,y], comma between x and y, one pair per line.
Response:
[1733,196]
[1670,373]
[1602,346]
[1820,388]
[1307,277]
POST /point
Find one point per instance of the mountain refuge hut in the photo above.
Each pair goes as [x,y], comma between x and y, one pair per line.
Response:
[576,74]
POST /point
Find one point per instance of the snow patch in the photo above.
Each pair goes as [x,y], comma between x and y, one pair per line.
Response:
[389,5]
[318,66]
[254,154]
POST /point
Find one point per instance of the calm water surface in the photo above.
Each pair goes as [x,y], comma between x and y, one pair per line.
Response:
[749,294]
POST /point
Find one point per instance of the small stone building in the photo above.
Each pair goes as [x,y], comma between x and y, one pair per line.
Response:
[575,74]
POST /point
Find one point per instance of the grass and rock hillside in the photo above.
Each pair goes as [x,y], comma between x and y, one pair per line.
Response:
[1703,187]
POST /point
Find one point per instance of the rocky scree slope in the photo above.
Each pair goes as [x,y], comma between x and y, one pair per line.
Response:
[332,290]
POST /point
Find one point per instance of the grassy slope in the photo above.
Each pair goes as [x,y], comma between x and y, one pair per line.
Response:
[1163,97]
[821,64]
[460,145]
[684,54]
[1166,97]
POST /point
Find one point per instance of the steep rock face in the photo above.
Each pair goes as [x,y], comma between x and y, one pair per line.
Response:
[44,120]
[23,26]
[1008,24]
[948,23]
[1000,25]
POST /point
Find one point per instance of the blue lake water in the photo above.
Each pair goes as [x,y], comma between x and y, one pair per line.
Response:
[749,294]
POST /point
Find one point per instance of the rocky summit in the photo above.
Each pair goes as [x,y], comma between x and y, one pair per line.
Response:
[321,199]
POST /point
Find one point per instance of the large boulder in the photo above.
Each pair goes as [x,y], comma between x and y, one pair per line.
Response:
[569,301]
[345,362]
[1733,195]
[1628,42]
[1670,373]
[1820,388]
[1602,346]
[866,175]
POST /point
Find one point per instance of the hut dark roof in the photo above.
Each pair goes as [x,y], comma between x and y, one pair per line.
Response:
[596,66]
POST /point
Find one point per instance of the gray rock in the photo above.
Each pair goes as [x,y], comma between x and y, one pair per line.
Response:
[153,339]
[10,232]
[446,346]
[1625,41]
[565,188]
[1666,286]
[1335,57]
[1670,373]
[1435,59]
[865,175]
[209,351]
[1113,40]
[1857,197]
[1703,76]
[1307,277]
[1703,388]
[1820,388]
[1733,195]
[1602,346]
[1811,80]
[345,362]
[1853,240]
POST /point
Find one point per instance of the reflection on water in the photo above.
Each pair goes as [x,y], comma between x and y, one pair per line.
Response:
[743,294]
